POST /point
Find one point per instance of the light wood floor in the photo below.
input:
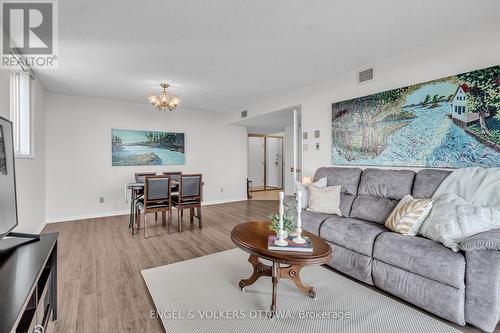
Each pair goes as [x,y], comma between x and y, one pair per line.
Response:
[100,285]
[266,195]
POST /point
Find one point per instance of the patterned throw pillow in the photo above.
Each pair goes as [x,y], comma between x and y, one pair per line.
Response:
[325,200]
[409,215]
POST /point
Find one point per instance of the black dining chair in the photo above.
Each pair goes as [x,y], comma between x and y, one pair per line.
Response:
[139,176]
[189,197]
[156,199]
[175,178]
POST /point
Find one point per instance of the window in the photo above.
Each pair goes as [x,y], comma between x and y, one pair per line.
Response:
[20,113]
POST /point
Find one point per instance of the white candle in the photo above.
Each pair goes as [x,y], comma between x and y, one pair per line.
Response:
[299,210]
[282,209]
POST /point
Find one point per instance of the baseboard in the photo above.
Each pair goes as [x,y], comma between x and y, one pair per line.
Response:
[87,216]
[40,228]
[123,212]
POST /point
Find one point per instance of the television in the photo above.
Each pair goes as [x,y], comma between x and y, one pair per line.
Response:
[8,200]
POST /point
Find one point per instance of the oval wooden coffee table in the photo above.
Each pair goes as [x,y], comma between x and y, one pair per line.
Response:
[252,238]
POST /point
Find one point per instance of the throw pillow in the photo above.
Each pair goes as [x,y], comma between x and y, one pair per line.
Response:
[408,215]
[325,200]
[452,220]
[304,189]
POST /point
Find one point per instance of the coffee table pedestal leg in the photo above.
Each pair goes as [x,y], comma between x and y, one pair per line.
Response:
[293,273]
[259,269]
[276,272]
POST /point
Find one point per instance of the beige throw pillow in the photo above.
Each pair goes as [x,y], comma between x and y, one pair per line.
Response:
[325,200]
[409,215]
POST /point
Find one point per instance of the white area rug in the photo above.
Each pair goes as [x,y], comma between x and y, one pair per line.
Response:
[202,295]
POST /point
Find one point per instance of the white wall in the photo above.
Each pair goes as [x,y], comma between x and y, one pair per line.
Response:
[30,172]
[79,169]
[453,55]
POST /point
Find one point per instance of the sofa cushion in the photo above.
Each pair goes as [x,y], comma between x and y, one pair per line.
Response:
[351,263]
[353,234]
[311,221]
[427,181]
[347,178]
[421,256]
[442,300]
[379,192]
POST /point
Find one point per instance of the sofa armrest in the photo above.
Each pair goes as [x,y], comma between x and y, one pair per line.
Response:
[488,240]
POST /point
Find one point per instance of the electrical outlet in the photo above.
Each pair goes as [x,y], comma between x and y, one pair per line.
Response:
[101,200]
[317,145]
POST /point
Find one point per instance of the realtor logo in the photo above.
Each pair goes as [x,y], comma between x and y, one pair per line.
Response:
[29,34]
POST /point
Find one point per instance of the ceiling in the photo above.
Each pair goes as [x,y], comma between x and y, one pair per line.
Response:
[222,55]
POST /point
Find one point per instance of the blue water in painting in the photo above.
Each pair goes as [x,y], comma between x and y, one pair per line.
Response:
[431,139]
[166,156]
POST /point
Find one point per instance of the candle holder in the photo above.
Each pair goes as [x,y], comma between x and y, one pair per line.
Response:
[280,241]
[298,239]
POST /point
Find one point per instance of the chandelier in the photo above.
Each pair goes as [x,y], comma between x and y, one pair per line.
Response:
[165,100]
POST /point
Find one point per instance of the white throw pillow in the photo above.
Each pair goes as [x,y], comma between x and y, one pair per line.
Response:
[408,215]
[325,200]
[452,220]
[304,189]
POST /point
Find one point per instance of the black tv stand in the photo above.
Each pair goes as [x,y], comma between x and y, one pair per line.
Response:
[23,235]
[18,239]
[28,287]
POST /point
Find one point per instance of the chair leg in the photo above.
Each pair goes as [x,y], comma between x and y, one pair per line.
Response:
[179,219]
[170,220]
[163,219]
[138,218]
[191,216]
[145,224]
[199,216]
[156,215]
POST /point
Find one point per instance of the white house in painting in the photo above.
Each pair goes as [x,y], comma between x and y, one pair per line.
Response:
[459,109]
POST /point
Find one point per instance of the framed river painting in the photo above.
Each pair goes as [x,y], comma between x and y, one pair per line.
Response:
[452,122]
[131,147]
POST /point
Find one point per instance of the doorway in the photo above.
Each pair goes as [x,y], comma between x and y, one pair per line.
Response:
[265,162]
[265,153]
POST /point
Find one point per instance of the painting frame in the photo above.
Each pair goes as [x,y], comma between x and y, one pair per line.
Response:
[132,147]
[451,122]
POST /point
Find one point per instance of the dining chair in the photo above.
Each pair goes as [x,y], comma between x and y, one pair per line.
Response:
[139,176]
[175,178]
[189,197]
[157,198]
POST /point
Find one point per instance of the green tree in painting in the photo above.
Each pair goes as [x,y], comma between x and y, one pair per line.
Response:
[484,93]
[427,100]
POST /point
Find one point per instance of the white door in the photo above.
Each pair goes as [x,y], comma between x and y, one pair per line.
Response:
[288,148]
[274,162]
[297,147]
[256,161]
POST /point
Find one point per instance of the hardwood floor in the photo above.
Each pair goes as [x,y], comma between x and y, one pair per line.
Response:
[266,195]
[100,285]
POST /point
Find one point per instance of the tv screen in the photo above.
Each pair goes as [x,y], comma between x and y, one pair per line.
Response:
[8,203]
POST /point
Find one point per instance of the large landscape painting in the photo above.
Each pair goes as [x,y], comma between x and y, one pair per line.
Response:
[452,122]
[146,147]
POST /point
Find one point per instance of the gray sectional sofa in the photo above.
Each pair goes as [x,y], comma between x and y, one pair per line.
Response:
[462,287]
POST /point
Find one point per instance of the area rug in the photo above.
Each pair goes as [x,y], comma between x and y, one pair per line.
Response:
[202,295]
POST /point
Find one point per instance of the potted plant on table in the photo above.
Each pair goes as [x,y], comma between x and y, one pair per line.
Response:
[288,224]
